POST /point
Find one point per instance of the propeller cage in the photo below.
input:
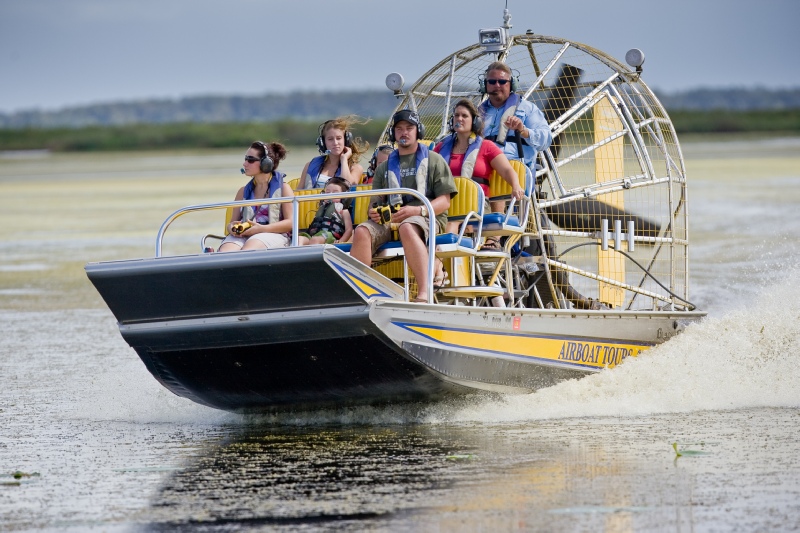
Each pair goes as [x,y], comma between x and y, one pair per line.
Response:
[614,156]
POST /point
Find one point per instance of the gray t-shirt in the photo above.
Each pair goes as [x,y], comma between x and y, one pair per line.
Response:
[440,180]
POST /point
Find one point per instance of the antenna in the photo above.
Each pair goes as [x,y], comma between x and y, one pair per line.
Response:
[506,17]
[496,39]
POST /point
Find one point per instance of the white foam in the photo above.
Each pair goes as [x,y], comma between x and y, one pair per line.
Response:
[747,358]
[743,359]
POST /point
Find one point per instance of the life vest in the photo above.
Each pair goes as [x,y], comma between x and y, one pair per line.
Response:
[311,179]
[470,157]
[394,177]
[508,110]
[328,218]
[264,214]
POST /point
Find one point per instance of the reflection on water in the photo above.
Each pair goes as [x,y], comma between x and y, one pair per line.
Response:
[117,452]
[609,474]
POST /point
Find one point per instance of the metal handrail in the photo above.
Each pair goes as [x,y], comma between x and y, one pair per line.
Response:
[295,200]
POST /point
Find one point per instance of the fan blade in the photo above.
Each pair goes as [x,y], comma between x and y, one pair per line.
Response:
[585,214]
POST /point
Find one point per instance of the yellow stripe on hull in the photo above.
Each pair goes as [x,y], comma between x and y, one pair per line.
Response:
[590,354]
[364,287]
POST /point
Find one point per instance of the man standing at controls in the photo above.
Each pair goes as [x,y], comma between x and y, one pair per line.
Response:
[511,122]
[415,167]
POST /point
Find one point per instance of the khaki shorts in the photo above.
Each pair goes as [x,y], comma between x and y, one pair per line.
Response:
[269,240]
[382,234]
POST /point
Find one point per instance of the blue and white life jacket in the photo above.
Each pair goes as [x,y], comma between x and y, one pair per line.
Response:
[264,214]
[470,157]
[394,177]
[508,110]
[311,180]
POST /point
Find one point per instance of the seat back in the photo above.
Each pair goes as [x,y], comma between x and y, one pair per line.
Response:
[306,209]
[500,190]
[228,217]
[293,183]
[468,200]
[362,205]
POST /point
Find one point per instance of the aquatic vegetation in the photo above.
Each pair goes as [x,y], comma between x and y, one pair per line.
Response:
[687,452]
[461,457]
[17,476]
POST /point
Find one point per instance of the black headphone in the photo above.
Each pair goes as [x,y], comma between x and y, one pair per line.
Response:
[477,124]
[482,83]
[348,137]
[373,162]
[266,164]
[409,116]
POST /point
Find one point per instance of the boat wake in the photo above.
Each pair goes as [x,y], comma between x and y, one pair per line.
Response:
[746,358]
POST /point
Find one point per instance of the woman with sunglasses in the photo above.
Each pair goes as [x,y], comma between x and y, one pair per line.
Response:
[340,154]
[471,156]
[262,226]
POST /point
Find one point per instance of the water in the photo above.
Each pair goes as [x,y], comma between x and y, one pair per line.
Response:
[103,447]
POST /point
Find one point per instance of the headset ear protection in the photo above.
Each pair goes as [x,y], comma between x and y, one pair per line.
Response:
[373,162]
[411,117]
[266,164]
[477,124]
[348,138]
[482,83]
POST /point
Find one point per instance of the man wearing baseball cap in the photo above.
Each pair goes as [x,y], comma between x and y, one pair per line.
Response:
[411,166]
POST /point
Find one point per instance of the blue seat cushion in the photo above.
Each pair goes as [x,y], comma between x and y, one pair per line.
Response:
[452,238]
[345,246]
[497,219]
[445,238]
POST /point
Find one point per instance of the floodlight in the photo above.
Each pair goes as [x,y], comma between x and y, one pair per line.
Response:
[635,58]
[394,82]
[493,39]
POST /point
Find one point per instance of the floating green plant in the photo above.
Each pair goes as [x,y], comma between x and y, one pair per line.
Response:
[685,452]
[17,475]
[20,475]
[460,457]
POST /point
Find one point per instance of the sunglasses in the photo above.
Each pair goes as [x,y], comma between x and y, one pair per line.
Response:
[498,82]
[251,159]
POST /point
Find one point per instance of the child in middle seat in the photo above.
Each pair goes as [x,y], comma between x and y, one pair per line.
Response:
[332,223]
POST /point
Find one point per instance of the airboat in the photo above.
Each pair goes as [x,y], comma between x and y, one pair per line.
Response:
[594,267]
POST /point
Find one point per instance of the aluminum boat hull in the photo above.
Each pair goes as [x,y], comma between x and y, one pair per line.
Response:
[312,327]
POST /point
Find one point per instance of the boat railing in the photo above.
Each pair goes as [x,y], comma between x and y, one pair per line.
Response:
[295,201]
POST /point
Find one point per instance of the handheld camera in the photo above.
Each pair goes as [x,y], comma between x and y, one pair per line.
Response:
[241,227]
[385,212]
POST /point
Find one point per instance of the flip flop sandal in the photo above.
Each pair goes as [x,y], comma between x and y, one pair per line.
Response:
[491,243]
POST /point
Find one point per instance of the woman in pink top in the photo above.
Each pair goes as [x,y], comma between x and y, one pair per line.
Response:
[471,156]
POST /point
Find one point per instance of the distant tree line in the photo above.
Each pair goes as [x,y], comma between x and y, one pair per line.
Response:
[318,106]
[192,135]
[299,106]
[221,122]
[731,99]
[189,135]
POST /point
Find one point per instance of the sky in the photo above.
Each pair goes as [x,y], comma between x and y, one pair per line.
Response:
[61,53]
